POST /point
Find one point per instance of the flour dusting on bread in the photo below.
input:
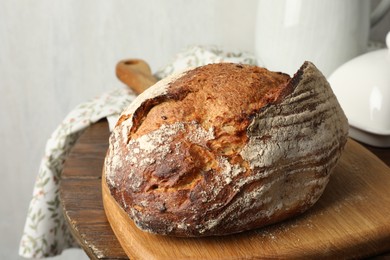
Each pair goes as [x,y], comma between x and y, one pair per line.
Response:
[225,148]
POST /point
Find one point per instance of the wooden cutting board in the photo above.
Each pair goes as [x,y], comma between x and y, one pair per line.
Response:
[351,219]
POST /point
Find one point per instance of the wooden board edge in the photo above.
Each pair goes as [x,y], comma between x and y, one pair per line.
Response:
[73,228]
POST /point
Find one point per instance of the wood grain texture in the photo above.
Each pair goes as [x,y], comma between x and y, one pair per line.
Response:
[350,219]
[80,192]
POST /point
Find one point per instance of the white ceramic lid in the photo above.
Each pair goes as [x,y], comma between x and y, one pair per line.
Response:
[362,87]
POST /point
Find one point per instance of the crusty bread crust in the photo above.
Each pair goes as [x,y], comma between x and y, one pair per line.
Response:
[225,148]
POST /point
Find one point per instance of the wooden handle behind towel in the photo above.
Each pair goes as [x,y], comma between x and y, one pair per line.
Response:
[136,74]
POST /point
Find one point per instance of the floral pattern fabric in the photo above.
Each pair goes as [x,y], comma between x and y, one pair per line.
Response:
[46,232]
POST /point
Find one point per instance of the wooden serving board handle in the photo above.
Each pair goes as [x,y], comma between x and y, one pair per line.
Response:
[136,74]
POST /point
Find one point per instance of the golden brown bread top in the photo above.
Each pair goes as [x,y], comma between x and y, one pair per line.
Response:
[216,95]
[204,152]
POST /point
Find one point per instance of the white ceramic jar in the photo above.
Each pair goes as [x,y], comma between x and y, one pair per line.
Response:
[362,87]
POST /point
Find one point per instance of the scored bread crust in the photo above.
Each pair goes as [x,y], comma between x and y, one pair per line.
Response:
[225,148]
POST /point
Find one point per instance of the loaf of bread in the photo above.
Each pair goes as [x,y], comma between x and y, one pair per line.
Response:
[224,148]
